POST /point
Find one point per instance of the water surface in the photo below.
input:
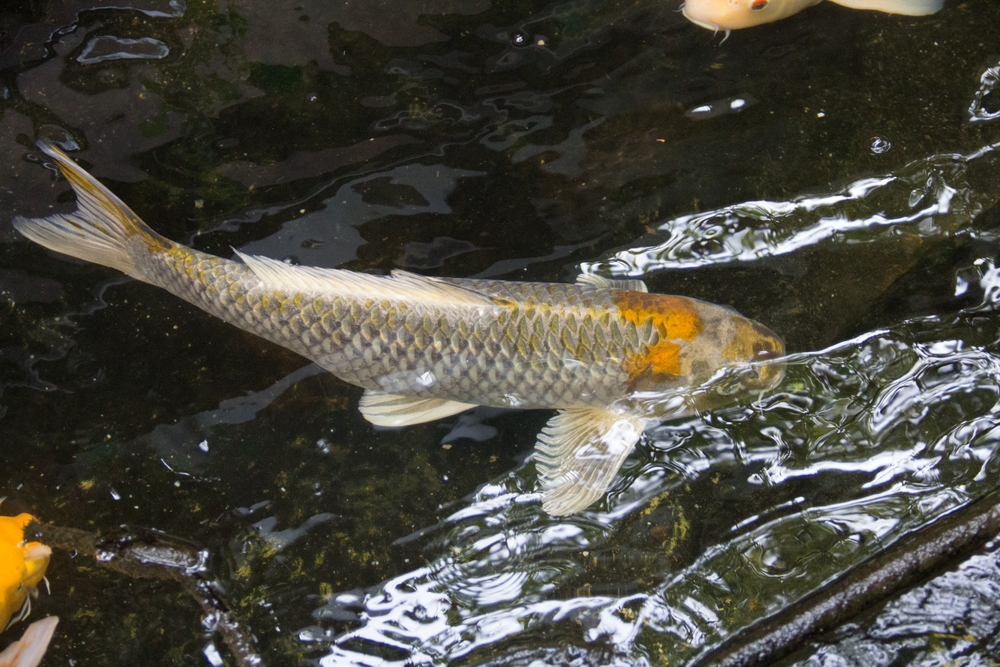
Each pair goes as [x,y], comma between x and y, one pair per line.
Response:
[834,176]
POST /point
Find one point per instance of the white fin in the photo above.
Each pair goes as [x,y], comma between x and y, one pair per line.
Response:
[578,454]
[400,285]
[907,7]
[29,649]
[37,551]
[99,228]
[384,409]
[611,283]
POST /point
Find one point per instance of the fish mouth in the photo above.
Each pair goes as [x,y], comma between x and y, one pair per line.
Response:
[706,26]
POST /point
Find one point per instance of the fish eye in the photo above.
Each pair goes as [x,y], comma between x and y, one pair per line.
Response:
[758,4]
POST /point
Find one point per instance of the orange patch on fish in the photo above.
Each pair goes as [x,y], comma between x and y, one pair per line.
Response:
[673,317]
[664,358]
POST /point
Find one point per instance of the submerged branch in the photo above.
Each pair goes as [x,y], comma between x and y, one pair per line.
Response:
[150,555]
[911,560]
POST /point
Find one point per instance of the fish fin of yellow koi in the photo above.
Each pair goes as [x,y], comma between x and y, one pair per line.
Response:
[36,560]
[578,454]
[98,230]
[399,286]
[611,283]
[29,649]
[384,409]
[906,7]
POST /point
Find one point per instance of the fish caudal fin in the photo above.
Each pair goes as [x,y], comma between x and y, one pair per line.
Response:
[579,453]
[100,230]
[906,7]
[30,648]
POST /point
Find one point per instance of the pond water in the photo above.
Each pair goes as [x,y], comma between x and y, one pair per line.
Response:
[834,176]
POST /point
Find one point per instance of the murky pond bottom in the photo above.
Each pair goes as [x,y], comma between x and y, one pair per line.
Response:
[848,202]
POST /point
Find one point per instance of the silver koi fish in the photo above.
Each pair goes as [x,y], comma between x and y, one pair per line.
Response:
[606,354]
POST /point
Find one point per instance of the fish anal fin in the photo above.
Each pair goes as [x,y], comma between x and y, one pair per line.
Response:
[578,454]
[596,280]
[905,7]
[384,409]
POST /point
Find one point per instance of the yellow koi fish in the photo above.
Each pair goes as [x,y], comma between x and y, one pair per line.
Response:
[30,648]
[22,568]
[735,14]
[604,353]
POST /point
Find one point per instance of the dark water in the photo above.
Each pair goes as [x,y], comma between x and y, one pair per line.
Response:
[834,176]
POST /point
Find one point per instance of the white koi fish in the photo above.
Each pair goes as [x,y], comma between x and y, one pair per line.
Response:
[735,14]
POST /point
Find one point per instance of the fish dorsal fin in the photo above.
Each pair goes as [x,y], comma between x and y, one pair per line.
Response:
[384,409]
[611,283]
[907,7]
[578,454]
[399,286]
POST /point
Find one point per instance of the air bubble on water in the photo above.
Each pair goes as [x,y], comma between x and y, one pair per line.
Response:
[986,96]
[212,655]
[880,145]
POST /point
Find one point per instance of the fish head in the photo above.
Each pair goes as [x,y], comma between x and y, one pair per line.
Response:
[22,566]
[757,354]
[736,14]
[702,357]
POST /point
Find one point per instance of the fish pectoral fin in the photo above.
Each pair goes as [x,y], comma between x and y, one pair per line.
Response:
[36,560]
[906,7]
[384,409]
[29,649]
[578,454]
[611,283]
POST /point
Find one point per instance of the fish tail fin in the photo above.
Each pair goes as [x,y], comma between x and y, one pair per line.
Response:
[905,7]
[101,230]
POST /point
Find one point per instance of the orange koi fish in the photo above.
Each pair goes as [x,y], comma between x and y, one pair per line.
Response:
[22,568]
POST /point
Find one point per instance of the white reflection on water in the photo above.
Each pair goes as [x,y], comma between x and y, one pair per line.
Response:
[749,231]
[899,446]
[883,432]
[861,443]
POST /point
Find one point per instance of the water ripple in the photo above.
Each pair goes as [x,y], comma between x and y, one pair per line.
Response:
[927,197]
